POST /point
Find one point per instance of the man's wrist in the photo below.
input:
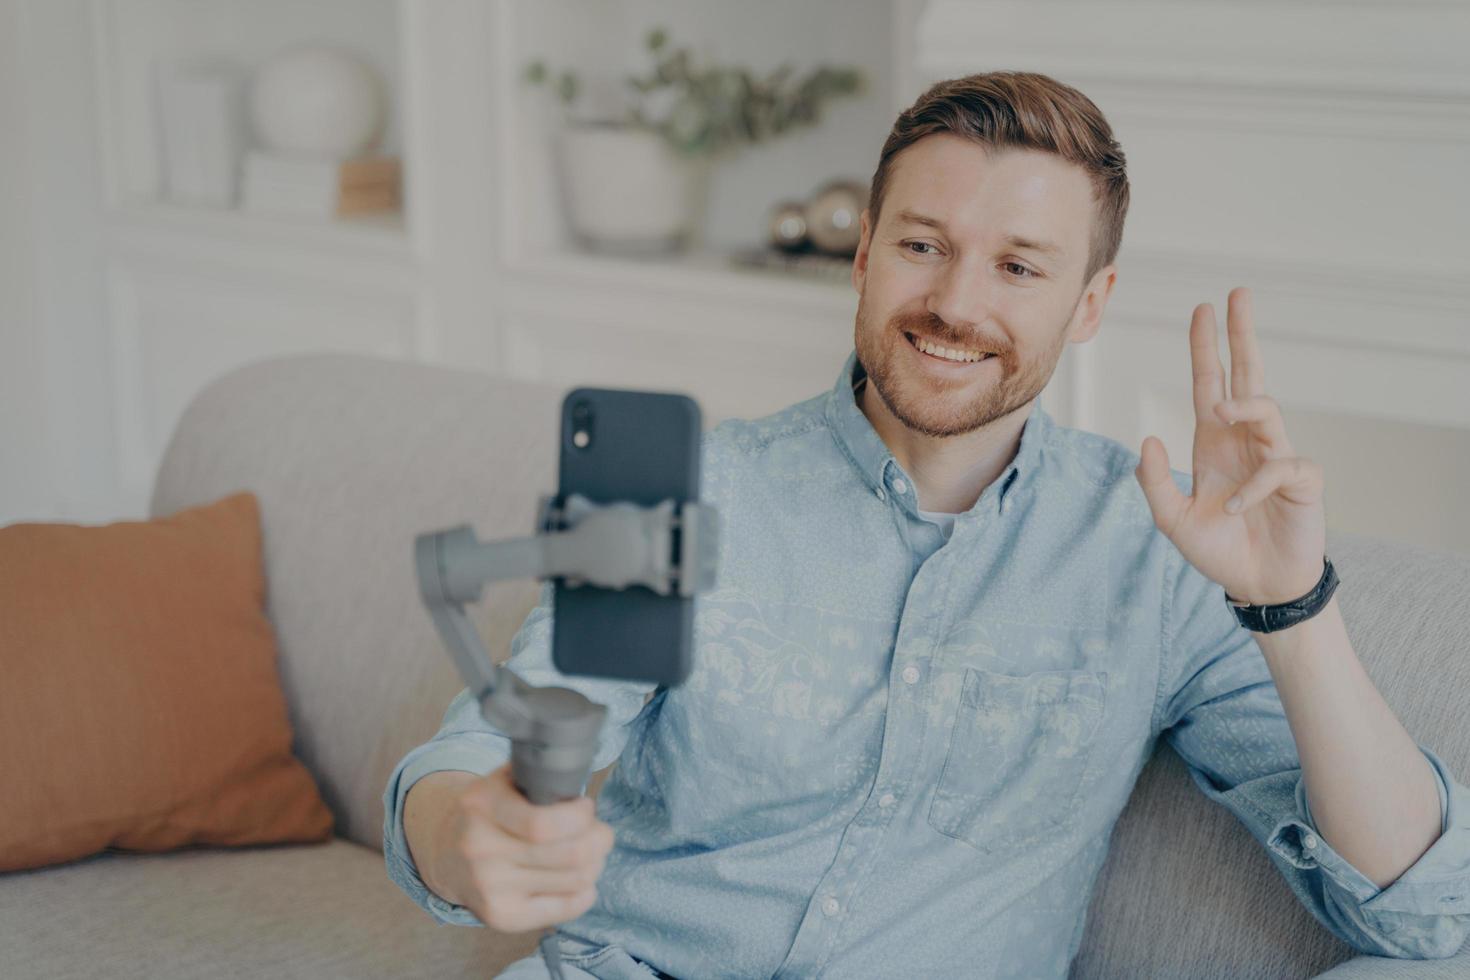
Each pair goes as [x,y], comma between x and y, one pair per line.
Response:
[1264,618]
[424,810]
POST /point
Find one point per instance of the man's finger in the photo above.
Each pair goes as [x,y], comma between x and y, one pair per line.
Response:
[591,845]
[1247,373]
[539,824]
[1265,414]
[1297,478]
[1204,355]
[1166,501]
[560,908]
[545,881]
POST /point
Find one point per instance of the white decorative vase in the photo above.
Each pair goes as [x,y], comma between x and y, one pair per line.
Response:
[319,101]
[626,191]
[202,110]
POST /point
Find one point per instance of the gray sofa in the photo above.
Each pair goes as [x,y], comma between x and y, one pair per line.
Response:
[351,457]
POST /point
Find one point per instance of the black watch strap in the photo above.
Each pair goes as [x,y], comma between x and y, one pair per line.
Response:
[1269,619]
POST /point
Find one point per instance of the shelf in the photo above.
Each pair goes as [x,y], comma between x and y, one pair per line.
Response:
[384,235]
[373,250]
[706,275]
[134,39]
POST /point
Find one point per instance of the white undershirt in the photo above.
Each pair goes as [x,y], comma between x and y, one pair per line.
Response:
[945,521]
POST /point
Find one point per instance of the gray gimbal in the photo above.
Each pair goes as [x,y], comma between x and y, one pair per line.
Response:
[668,547]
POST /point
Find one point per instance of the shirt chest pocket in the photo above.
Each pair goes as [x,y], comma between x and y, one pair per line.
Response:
[1018,758]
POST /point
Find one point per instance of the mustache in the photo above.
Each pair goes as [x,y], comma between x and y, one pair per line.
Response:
[931,326]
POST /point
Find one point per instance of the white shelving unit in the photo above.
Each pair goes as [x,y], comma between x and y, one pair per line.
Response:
[134,36]
[192,292]
[479,270]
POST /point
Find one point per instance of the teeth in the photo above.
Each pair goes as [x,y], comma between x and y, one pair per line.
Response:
[949,354]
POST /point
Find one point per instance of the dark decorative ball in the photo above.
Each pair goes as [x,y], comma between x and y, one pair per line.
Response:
[788,226]
[833,217]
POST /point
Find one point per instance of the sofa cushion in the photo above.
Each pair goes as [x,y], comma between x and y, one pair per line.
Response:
[304,910]
[140,706]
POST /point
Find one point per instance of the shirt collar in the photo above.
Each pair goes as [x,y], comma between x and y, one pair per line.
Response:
[870,454]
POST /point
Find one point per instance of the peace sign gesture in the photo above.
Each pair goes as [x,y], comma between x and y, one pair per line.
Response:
[1269,548]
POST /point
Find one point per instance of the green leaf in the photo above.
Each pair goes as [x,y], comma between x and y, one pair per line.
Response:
[703,109]
[568,87]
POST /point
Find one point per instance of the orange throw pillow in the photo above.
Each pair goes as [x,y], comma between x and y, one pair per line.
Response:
[140,707]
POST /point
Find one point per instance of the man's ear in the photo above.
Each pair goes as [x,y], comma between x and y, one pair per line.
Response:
[860,260]
[1090,306]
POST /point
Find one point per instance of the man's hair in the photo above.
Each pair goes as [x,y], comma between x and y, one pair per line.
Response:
[1024,110]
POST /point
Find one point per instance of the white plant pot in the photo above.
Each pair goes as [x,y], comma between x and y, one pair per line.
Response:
[626,191]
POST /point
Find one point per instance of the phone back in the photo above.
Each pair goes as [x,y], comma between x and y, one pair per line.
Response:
[641,447]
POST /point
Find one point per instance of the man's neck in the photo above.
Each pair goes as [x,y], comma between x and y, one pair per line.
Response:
[949,473]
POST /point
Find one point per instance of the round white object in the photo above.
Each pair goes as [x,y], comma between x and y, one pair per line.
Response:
[626,191]
[317,100]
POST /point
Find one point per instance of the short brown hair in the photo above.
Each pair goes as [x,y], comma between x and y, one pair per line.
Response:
[1030,111]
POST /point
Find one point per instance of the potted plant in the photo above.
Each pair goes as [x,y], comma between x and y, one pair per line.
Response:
[638,183]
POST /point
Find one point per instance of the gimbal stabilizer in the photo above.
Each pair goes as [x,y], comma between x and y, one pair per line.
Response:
[553,731]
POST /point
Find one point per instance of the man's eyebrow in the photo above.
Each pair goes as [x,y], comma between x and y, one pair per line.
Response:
[914,217]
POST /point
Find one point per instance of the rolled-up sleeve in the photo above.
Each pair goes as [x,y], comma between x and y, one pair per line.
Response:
[1219,709]
[467,742]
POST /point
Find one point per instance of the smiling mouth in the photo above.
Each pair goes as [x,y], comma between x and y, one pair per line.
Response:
[949,355]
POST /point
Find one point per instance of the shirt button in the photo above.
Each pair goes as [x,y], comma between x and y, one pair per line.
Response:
[881,494]
[830,907]
[911,674]
[1309,841]
[900,487]
[886,800]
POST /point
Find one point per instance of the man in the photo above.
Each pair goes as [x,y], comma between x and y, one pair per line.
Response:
[947,634]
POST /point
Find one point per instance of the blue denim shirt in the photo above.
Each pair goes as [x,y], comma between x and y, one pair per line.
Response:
[901,754]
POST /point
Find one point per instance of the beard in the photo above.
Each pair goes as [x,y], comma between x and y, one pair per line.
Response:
[938,407]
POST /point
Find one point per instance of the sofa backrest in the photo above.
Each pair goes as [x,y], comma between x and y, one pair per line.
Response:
[351,458]
[1186,891]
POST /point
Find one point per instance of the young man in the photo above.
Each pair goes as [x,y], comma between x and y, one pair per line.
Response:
[948,633]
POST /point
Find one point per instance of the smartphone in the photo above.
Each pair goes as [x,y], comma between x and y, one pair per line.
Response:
[641,447]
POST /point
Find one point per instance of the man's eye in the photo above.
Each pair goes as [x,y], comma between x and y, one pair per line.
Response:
[910,245]
[1028,274]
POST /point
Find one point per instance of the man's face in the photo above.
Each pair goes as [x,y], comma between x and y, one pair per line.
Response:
[964,286]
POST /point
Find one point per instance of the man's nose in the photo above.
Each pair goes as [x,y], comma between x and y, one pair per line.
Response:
[961,295]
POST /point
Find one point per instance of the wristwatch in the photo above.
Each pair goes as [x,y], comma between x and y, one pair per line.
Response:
[1269,619]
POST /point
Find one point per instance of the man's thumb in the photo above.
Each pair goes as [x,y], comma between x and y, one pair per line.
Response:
[1165,500]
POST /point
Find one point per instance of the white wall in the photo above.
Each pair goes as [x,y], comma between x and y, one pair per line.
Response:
[1314,152]
[24,471]
[57,451]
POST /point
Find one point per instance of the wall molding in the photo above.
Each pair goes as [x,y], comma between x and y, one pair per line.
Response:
[1204,64]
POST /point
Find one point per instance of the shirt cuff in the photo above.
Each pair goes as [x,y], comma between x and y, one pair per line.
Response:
[1436,884]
